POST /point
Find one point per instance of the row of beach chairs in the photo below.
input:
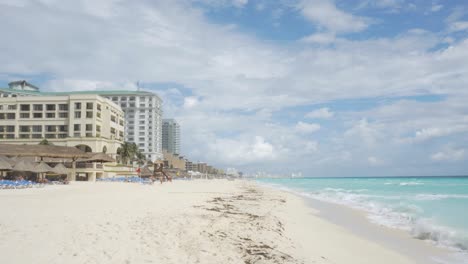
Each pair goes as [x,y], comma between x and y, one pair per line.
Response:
[21,184]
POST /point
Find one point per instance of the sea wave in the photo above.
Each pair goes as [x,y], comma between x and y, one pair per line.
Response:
[434,197]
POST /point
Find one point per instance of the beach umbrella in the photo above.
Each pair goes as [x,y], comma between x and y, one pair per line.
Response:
[4,164]
[60,169]
[24,165]
[42,167]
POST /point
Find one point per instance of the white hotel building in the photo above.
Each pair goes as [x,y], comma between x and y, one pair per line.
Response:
[142,111]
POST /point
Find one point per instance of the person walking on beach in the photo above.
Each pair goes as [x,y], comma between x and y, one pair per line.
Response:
[158,169]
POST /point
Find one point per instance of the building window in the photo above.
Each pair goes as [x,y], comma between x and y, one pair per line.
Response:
[11,116]
[2,116]
[89,114]
[142,105]
[37,115]
[115,99]
[123,105]
[98,128]
[142,133]
[89,127]
[121,122]
[24,136]
[51,128]
[113,118]
[63,128]
[24,115]
[50,115]
[62,135]
[50,107]
[98,107]
[25,107]
[50,135]
[63,115]
[89,106]
[98,114]
[77,127]
[77,105]
[12,107]
[37,107]
[123,98]
[37,128]
[63,107]
[131,105]
[36,135]
[24,129]
[77,114]
[1,107]
[112,130]
[132,98]
[10,128]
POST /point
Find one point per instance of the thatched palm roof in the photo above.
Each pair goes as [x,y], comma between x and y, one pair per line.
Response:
[99,157]
[60,169]
[42,167]
[41,151]
[24,165]
[4,165]
[145,171]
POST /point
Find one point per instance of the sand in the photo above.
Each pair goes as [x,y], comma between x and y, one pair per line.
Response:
[200,221]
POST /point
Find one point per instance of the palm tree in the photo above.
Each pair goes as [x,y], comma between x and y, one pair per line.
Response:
[129,151]
[45,142]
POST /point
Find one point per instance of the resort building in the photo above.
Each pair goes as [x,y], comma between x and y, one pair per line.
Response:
[174,161]
[89,122]
[143,113]
[171,136]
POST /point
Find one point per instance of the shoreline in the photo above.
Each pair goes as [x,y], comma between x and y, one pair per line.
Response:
[398,240]
[199,221]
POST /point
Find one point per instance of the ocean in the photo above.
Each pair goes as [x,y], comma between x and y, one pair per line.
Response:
[434,209]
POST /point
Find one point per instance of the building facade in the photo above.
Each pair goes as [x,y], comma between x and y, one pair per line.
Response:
[143,113]
[89,122]
[171,136]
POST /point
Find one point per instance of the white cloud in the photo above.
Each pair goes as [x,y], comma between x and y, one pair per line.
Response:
[365,132]
[458,26]
[320,38]
[436,7]
[323,113]
[190,102]
[306,128]
[449,155]
[374,161]
[326,15]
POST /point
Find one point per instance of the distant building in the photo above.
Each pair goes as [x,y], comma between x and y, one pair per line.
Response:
[89,122]
[143,113]
[171,136]
[174,161]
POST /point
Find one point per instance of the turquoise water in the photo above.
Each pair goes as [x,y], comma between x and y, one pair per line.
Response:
[430,208]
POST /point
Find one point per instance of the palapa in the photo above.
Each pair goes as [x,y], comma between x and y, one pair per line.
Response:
[5,163]
[41,151]
[42,167]
[60,169]
[99,157]
[24,165]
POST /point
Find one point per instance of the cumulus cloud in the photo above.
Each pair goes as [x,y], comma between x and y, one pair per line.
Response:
[323,113]
[327,16]
[449,155]
[190,102]
[303,127]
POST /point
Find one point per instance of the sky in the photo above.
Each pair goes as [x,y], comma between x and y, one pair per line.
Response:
[322,87]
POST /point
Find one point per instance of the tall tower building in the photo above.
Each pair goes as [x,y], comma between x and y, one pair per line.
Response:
[171,136]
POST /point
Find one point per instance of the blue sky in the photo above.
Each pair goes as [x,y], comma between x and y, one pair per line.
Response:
[324,87]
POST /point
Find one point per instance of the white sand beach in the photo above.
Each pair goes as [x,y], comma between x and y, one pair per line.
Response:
[201,221]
